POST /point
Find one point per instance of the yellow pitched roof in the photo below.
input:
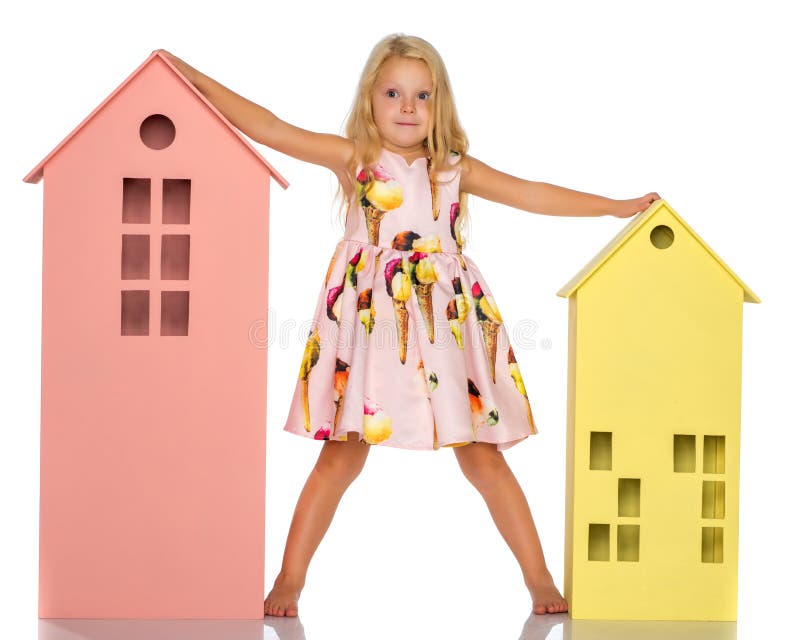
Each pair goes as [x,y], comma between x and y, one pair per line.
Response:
[626,233]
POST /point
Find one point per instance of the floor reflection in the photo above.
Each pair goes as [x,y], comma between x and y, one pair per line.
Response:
[539,627]
[553,626]
[126,629]
[647,630]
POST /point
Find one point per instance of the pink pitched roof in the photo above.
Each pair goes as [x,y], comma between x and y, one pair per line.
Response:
[36,174]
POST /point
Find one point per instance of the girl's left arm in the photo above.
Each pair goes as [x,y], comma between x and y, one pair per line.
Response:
[483,181]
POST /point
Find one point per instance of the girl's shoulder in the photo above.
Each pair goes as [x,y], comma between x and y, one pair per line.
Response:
[454,163]
[458,160]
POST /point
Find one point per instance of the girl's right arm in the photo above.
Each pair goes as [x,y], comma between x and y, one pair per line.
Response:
[265,127]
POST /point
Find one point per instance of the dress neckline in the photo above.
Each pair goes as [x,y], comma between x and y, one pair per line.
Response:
[405,162]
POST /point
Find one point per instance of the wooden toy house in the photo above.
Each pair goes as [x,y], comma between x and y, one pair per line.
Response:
[154,364]
[653,422]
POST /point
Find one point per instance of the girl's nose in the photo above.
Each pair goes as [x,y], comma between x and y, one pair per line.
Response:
[408,108]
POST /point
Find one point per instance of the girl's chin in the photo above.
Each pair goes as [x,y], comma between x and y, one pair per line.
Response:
[409,135]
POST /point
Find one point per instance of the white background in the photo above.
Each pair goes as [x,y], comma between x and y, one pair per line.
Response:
[694,100]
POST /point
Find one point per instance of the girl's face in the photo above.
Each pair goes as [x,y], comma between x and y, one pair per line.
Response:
[401,103]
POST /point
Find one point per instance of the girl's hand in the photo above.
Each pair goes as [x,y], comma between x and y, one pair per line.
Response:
[185,69]
[629,208]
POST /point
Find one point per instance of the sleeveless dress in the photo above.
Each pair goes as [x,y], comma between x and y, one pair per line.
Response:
[407,346]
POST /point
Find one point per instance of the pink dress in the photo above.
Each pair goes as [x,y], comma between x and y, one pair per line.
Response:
[407,346]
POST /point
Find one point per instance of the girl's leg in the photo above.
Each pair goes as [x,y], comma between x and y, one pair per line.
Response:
[486,469]
[338,465]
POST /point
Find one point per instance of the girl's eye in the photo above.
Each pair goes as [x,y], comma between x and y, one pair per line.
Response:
[392,93]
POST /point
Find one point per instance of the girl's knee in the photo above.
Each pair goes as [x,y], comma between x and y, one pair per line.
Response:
[481,463]
[342,461]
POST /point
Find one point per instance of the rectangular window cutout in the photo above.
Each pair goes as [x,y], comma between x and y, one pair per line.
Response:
[135,256]
[600,450]
[628,542]
[175,202]
[175,257]
[599,542]
[174,313]
[135,313]
[683,453]
[136,200]
[628,490]
[712,544]
[714,454]
[713,499]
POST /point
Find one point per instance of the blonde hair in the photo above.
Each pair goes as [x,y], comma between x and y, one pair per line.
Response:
[444,135]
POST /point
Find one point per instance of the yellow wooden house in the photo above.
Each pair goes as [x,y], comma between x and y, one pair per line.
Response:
[653,421]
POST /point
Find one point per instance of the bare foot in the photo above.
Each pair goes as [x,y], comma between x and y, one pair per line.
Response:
[546,597]
[282,600]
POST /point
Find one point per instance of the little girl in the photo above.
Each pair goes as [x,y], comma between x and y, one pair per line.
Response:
[408,348]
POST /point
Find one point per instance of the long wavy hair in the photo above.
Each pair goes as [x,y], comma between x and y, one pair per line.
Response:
[444,135]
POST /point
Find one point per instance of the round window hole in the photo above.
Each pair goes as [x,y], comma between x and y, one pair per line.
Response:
[157,131]
[662,236]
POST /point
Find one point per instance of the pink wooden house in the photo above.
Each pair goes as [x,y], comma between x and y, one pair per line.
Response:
[154,369]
